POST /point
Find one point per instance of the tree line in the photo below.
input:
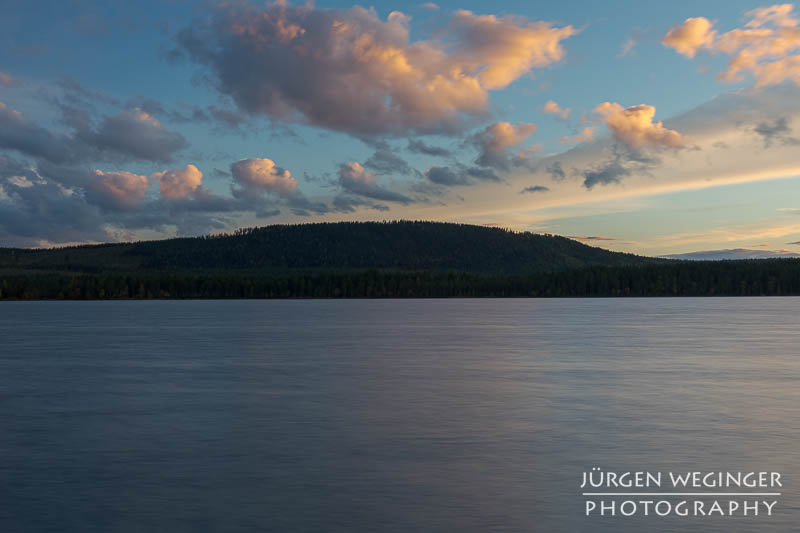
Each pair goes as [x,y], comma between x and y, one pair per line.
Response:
[779,277]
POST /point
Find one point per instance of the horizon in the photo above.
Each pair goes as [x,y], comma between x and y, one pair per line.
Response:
[666,129]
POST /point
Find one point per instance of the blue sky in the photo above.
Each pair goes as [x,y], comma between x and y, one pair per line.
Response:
[130,120]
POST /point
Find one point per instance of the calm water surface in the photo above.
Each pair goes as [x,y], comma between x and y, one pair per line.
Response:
[385,415]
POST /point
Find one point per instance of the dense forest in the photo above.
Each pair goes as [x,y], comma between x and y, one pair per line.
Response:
[375,260]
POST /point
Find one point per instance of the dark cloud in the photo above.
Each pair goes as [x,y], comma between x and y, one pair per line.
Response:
[482,174]
[20,134]
[778,131]
[447,176]
[225,119]
[36,209]
[534,188]
[460,175]
[136,135]
[44,213]
[385,162]
[605,173]
[302,206]
[591,238]
[77,95]
[346,203]
[420,147]
[624,162]
[130,135]
[231,118]
[495,142]
[556,171]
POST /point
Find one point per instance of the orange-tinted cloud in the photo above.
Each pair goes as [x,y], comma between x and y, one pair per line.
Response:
[691,36]
[348,70]
[177,183]
[767,47]
[552,108]
[634,126]
[585,136]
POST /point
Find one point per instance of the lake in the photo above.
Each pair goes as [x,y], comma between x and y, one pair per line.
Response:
[387,415]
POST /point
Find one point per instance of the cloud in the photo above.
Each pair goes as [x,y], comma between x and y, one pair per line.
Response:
[605,173]
[591,238]
[385,162]
[226,119]
[76,94]
[495,141]
[20,134]
[768,47]
[776,131]
[420,147]
[634,126]
[631,42]
[177,183]
[117,190]
[348,70]
[556,171]
[130,135]
[447,176]
[6,80]
[133,134]
[585,136]
[552,108]
[534,189]
[257,175]
[36,211]
[690,36]
[354,179]
[346,203]
[460,175]
[779,14]
[430,5]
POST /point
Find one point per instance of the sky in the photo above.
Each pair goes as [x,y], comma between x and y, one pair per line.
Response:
[647,127]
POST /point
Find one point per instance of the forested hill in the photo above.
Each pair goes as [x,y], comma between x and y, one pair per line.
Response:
[343,246]
[374,260]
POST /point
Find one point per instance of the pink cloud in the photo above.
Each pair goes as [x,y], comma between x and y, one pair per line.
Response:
[262,174]
[119,190]
[177,183]
[348,70]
